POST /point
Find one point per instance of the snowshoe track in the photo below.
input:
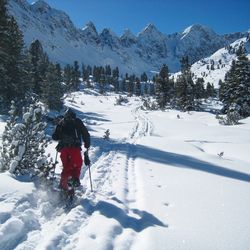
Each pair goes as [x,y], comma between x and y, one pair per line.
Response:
[40,213]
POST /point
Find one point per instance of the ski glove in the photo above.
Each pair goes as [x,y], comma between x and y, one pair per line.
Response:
[86,158]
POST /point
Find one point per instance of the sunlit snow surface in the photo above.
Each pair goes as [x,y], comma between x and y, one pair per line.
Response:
[158,184]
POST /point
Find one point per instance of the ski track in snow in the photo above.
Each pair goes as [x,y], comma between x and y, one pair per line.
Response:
[39,220]
[142,128]
[114,160]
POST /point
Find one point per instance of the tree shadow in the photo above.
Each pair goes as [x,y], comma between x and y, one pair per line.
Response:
[171,159]
[91,116]
[109,210]
[183,161]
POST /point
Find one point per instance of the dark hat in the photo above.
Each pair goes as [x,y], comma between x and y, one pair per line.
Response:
[69,114]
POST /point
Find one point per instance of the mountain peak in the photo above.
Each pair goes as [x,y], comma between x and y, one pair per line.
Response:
[90,32]
[150,31]
[108,32]
[41,6]
[109,38]
[150,28]
[90,26]
[128,38]
[197,28]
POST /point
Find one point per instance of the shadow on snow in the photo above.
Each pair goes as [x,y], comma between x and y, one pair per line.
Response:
[183,161]
[170,159]
[110,210]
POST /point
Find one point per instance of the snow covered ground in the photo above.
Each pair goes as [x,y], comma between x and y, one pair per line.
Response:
[158,184]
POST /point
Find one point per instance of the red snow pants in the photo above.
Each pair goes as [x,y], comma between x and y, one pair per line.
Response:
[72,163]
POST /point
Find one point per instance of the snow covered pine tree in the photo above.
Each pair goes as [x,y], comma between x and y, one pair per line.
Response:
[24,143]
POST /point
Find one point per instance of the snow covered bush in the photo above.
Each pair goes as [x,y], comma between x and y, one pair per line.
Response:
[120,100]
[7,148]
[232,117]
[148,104]
[106,135]
[24,143]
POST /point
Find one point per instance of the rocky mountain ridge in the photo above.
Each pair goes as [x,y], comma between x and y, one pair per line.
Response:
[147,51]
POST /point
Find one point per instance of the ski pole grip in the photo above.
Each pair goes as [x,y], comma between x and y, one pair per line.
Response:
[86,159]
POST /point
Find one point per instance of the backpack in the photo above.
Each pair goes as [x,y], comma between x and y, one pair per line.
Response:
[68,134]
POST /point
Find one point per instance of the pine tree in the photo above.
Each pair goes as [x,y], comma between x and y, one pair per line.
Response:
[52,90]
[24,143]
[108,71]
[236,93]
[85,76]
[39,62]
[59,72]
[130,84]
[229,87]
[243,88]
[67,77]
[153,87]
[115,72]
[97,73]
[137,86]
[4,19]
[102,80]
[16,61]
[89,70]
[185,86]
[115,76]
[4,37]
[76,77]
[164,87]
[12,86]
[210,91]
[144,77]
[199,90]
[85,73]
[222,90]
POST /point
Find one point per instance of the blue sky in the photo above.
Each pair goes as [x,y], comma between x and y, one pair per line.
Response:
[223,16]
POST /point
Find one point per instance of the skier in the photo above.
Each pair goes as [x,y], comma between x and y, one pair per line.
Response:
[70,132]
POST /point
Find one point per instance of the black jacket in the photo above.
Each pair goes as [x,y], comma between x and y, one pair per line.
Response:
[71,133]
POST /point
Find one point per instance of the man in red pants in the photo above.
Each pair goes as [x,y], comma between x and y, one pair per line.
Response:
[71,132]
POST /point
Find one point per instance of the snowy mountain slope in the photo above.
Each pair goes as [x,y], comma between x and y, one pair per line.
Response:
[158,184]
[196,39]
[213,68]
[147,51]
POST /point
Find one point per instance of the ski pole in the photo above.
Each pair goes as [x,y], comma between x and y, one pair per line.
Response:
[87,163]
[90,178]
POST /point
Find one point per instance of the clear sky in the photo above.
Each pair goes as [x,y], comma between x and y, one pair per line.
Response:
[169,16]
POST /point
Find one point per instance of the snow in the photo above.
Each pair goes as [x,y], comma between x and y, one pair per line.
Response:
[222,63]
[158,183]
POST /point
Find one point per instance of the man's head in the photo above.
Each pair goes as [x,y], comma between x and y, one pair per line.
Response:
[69,114]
